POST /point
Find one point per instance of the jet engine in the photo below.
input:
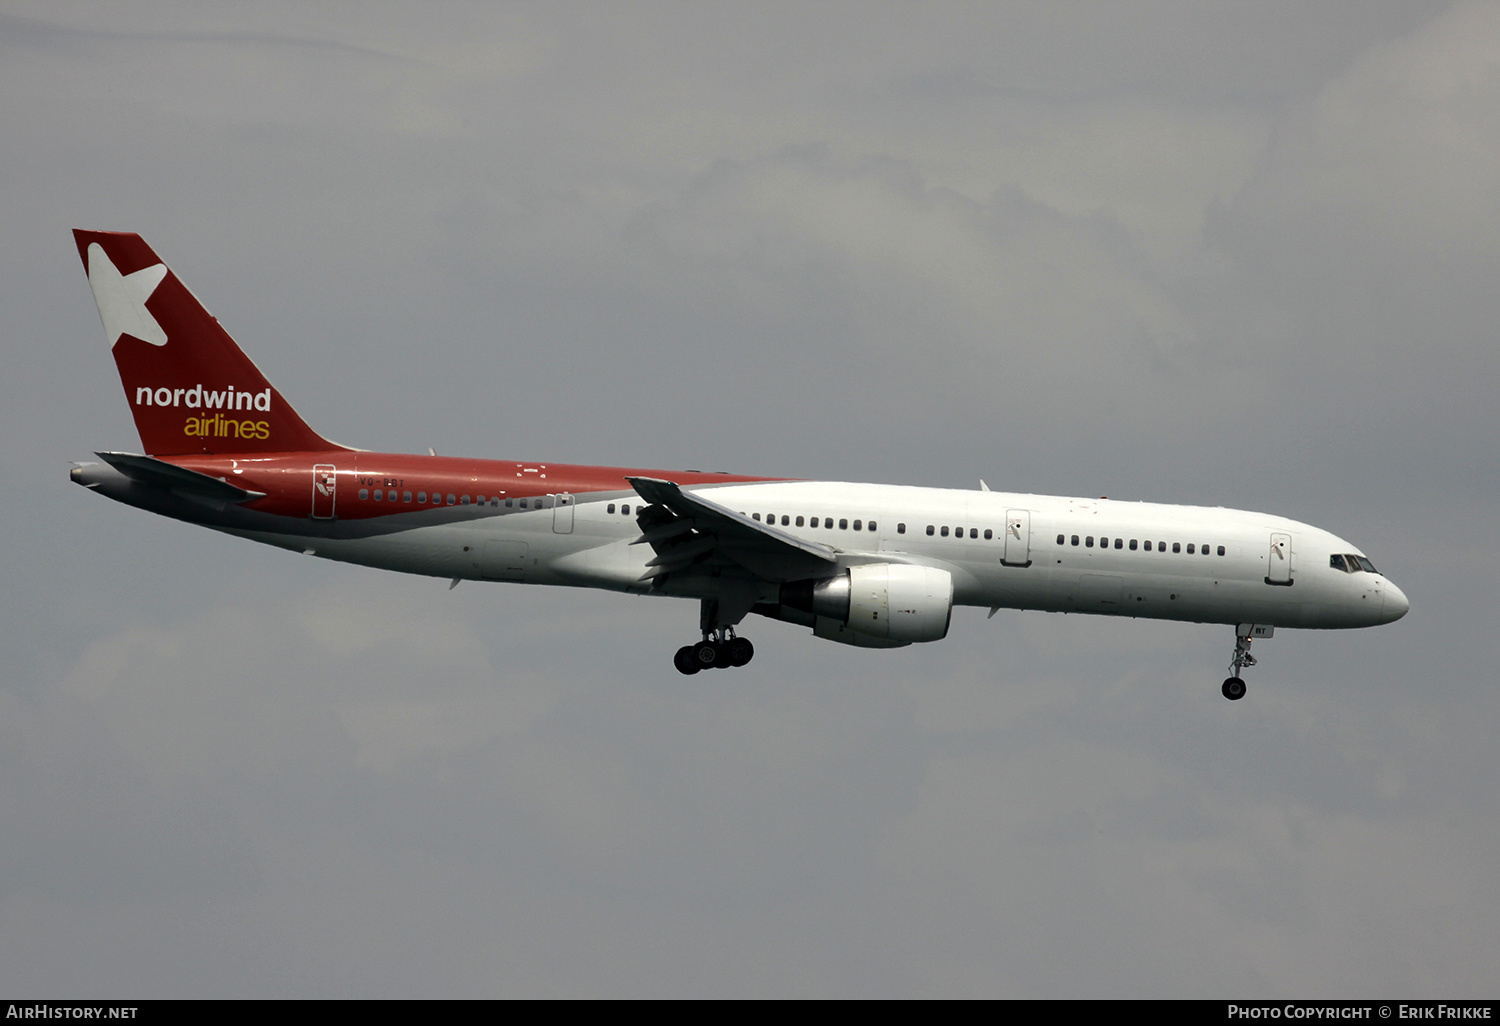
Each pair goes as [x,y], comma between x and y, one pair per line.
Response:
[877,605]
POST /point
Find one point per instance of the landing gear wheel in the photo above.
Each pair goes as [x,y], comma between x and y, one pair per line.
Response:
[705,655]
[740,651]
[1234,689]
[683,660]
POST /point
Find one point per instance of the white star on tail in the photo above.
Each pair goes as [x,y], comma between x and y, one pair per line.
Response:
[122,298]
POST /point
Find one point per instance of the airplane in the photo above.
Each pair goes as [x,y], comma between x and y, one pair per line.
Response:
[867,565]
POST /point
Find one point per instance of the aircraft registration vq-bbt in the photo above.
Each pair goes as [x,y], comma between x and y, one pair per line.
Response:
[876,566]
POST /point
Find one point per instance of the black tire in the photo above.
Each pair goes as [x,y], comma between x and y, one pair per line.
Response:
[683,660]
[1234,689]
[705,655]
[721,655]
[740,651]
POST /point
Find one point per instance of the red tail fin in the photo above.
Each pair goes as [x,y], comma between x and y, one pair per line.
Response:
[189,386]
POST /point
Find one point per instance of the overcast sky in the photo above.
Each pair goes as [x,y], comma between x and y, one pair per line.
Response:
[1226,254]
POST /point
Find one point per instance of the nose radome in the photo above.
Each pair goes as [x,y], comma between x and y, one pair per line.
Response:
[1395,604]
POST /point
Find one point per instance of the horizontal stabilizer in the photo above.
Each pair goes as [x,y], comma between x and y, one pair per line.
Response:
[148,470]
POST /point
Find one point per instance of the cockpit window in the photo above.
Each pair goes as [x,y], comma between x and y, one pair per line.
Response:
[1352,564]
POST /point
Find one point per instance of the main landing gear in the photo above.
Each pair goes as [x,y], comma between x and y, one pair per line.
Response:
[719,651]
[1234,687]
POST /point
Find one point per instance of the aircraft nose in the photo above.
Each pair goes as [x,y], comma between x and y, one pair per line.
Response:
[1395,605]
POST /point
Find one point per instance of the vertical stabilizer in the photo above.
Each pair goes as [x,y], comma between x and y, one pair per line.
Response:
[189,386]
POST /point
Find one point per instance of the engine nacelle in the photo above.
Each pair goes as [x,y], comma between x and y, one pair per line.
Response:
[877,605]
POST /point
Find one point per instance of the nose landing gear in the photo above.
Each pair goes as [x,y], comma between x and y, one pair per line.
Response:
[1234,687]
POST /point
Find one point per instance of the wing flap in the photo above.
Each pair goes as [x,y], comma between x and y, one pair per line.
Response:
[688,529]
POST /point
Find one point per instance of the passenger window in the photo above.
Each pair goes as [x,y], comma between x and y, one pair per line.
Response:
[464,501]
[610,508]
[625,509]
[958,532]
[1104,543]
[945,531]
[900,528]
[1132,545]
[1075,539]
[421,496]
[1177,546]
[871,526]
[856,525]
[988,534]
[1221,550]
[478,498]
[508,502]
[843,524]
[929,530]
[1088,542]
[974,532]
[1190,548]
[1119,543]
[799,521]
[754,516]
[1203,549]
[364,493]
[1060,539]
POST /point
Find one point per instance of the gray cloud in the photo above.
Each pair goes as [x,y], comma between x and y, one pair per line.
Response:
[1230,254]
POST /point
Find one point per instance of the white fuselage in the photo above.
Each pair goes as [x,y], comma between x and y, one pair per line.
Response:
[1210,565]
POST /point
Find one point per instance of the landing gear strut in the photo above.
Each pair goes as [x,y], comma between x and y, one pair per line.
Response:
[720,648]
[1234,687]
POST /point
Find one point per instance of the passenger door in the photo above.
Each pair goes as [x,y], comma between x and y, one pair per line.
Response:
[325,491]
[562,514]
[1017,538]
[1279,561]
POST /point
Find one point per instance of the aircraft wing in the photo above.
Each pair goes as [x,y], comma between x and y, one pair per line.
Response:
[686,529]
[148,470]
